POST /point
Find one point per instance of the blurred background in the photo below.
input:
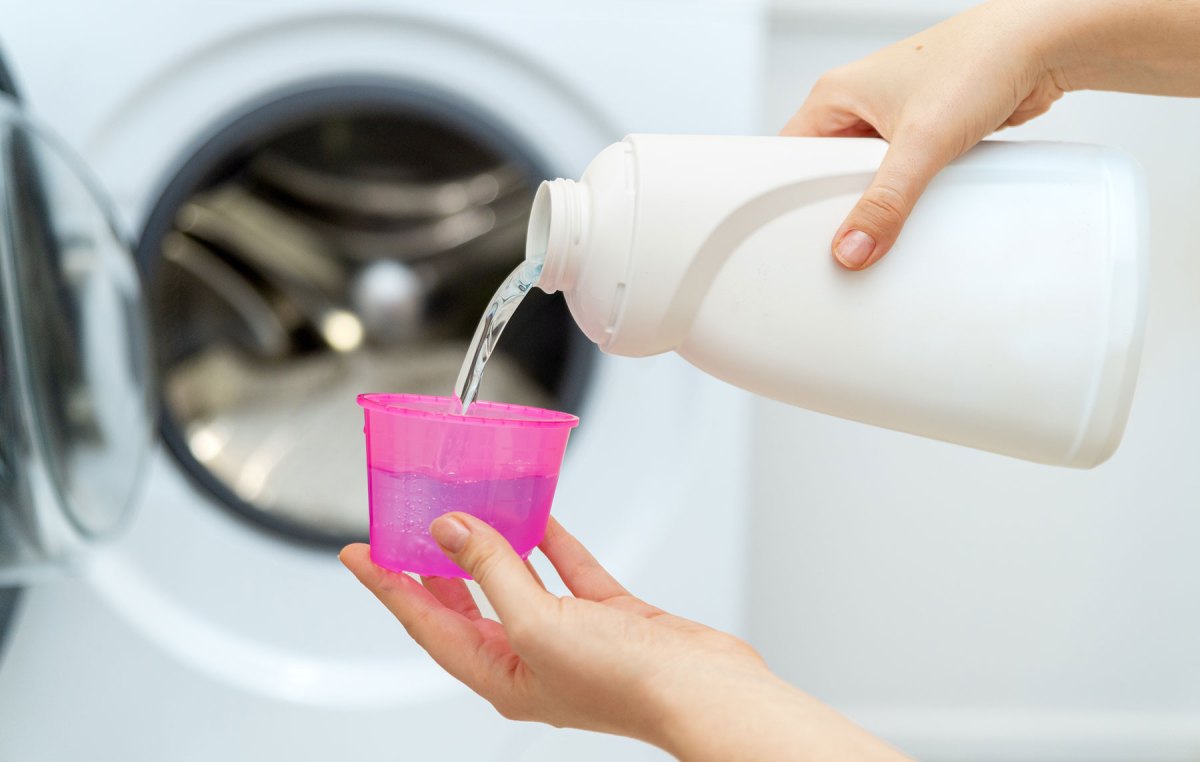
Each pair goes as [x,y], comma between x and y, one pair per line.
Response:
[977,607]
[323,195]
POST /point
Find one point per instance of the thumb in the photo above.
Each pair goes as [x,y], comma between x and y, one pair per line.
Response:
[490,560]
[872,227]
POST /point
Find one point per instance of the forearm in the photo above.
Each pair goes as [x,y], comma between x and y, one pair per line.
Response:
[765,719]
[1136,46]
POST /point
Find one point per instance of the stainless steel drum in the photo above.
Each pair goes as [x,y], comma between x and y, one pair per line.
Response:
[340,239]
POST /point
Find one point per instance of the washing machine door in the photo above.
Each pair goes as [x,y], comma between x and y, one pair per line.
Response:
[75,407]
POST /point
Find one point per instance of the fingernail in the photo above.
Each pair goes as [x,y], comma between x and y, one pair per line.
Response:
[855,249]
[450,533]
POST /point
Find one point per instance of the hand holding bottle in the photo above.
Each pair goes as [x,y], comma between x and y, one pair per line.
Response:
[935,95]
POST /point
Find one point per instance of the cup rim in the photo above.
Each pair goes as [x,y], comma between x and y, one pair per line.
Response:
[517,416]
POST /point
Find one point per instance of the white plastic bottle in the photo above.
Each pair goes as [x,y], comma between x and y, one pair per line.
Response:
[1008,316]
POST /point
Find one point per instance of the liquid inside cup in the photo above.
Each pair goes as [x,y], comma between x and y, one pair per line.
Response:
[406,503]
[499,463]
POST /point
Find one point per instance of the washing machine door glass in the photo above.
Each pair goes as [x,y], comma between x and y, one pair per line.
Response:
[75,408]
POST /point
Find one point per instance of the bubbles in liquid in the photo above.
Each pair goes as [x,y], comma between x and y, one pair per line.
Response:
[487,333]
[406,503]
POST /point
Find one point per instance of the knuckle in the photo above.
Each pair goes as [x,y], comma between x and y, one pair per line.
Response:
[940,135]
[482,563]
[832,79]
[828,88]
[824,84]
[748,649]
[503,708]
[885,206]
[928,131]
[417,624]
[384,586]
[510,709]
[422,618]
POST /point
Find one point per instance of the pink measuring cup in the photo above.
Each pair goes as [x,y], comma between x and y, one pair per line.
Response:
[499,463]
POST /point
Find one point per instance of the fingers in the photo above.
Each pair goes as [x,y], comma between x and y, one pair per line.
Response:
[817,119]
[454,595]
[448,636]
[873,225]
[829,112]
[875,222]
[804,123]
[491,561]
[582,573]
[1020,116]
[533,572]
[807,119]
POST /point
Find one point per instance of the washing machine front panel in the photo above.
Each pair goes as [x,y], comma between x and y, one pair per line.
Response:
[202,614]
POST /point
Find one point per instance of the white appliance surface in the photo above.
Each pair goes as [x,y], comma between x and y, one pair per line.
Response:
[197,637]
[969,606]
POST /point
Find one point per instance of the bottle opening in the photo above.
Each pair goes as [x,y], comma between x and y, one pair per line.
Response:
[538,237]
[554,225]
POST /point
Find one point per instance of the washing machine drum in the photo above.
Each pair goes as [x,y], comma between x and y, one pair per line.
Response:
[75,400]
[342,238]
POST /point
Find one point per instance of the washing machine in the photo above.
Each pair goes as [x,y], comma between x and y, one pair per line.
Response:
[252,212]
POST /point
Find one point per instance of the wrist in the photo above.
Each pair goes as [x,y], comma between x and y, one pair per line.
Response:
[717,716]
[1059,39]
[756,715]
[1073,41]
[1126,45]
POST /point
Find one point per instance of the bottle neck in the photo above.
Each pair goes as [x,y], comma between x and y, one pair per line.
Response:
[556,228]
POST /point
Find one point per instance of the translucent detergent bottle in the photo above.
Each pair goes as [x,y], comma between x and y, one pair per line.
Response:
[1008,316]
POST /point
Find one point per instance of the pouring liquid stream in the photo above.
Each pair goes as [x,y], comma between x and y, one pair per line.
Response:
[499,310]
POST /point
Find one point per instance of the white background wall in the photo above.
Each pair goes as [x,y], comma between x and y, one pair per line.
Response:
[970,606]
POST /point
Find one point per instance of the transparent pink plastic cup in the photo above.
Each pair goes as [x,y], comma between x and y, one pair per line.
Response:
[499,463]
